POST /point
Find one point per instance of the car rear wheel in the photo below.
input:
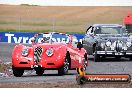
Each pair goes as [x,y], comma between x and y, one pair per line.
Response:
[64,69]
[17,72]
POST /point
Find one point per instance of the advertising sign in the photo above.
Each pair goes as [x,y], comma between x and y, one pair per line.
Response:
[24,37]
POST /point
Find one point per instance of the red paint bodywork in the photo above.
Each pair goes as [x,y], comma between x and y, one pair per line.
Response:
[128,23]
[48,62]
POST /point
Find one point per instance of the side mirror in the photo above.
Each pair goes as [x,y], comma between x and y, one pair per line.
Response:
[79,45]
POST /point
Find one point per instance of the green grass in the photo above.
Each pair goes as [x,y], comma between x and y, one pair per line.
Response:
[39,31]
[41,26]
[41,23]
[4,67]
[38,24]
[70,23]
[7,22]
[27,23]
[23,30]
[75,32]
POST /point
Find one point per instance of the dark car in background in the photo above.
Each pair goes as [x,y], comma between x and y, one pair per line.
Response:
[107,40]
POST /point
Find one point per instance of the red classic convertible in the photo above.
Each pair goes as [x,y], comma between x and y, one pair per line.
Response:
[49,51]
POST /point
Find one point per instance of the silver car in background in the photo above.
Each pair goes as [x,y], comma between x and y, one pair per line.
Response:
[107,40]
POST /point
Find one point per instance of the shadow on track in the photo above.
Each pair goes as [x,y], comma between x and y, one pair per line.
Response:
[35,75]
[110,59]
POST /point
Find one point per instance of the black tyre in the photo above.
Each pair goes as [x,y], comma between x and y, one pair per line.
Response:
[81,80]
[64,69]
[39,71]
[96,57]
[17,72]
[118,58]
[130,58]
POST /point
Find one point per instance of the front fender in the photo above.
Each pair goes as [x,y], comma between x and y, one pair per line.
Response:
[17,51]
[17,57]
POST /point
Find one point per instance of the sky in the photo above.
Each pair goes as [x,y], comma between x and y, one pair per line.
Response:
[70,2]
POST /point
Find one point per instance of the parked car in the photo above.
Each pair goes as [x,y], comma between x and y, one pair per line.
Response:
[49,51]
[106,40]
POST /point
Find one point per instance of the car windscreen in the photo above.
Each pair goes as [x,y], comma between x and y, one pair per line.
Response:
[53,37]
[110,30]
[60,38]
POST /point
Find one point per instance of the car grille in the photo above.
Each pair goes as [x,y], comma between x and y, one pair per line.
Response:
[118,46]
[38,51]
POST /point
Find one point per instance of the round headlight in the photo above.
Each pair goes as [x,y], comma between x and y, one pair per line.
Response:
[128,44]
[108,43]
[24,52]
[49,52]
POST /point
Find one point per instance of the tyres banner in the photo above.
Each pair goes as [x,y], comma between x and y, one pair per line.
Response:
[24,37]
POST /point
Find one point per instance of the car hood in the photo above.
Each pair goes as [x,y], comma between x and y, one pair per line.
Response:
[44,50]
[55,46]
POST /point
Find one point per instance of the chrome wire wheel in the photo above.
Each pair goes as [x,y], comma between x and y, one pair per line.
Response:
[84,65]
[64,69]
[66,65]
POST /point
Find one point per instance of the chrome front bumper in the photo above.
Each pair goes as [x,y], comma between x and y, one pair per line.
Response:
[114,53]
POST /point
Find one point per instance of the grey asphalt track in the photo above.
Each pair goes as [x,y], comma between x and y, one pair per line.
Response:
[107,66]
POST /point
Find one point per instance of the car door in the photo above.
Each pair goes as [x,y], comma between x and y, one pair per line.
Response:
[74,53]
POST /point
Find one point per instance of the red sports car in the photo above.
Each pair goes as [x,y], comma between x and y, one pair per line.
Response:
[49,51]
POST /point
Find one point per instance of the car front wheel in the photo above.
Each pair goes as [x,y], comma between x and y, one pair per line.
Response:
[17,72]
[96,57]
[118,58]
[131,58]
[39,71]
